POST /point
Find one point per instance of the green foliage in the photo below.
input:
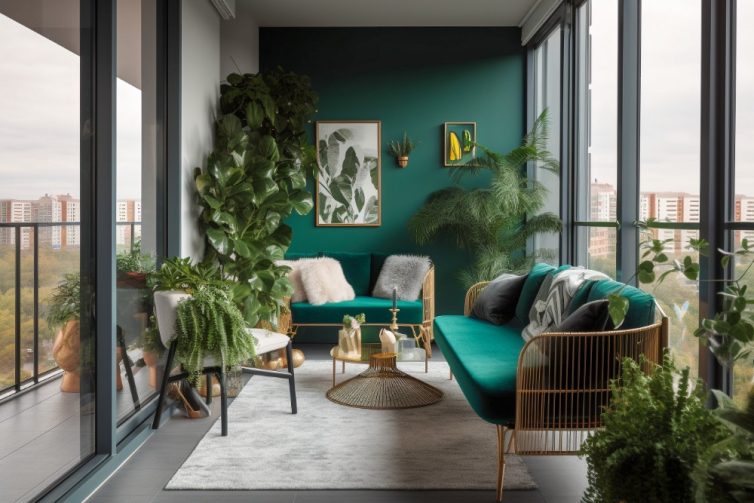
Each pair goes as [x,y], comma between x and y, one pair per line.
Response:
[255,178]
[180,274]
[725,473]
[151,341]
[64,304]
[134,260]
[209,324]
[349,320]
[495,222]
[401,148]
[652,439]
[730,334]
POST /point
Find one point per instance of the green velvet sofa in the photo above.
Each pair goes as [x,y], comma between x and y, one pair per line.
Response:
[551,389]
[361,271]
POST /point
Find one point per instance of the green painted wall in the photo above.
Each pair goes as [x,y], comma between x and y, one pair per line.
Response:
[411,79]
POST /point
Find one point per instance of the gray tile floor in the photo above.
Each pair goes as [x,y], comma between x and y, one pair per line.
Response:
[41,435]
[143,477]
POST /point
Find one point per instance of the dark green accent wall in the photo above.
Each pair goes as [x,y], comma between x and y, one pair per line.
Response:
[412,79]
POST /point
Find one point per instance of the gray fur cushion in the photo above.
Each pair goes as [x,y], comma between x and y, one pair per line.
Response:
[405,273]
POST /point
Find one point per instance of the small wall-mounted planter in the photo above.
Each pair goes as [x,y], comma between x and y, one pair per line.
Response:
[400,149]
[402,161]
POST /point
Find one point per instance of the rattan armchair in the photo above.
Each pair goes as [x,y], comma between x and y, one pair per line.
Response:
[562,384]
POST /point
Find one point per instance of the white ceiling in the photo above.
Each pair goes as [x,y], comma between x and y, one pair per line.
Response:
[345,13]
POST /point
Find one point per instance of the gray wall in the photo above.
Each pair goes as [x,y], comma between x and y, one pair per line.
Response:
[239,43]
[200,81]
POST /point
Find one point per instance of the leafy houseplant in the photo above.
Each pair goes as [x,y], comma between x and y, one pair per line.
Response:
[133,266]
[495,222]
[254,179]
[209,323]
[652,439]
[402,149]
[63,314]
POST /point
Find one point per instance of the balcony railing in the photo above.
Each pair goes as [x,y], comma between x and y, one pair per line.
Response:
[23,241]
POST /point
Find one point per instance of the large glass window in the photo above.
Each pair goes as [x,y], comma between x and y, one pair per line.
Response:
[45,345]
[743,372]
[596,67]
[670,152]
[547,96]
[138,349]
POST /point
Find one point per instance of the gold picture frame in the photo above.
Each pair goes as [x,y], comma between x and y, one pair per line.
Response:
[345,195]
[459,144]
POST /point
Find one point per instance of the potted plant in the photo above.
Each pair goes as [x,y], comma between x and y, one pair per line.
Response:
[654,434]
[152,349]
[63,318]
[349,337]
[401,149]
[207,322]
[132,267]
[494,223]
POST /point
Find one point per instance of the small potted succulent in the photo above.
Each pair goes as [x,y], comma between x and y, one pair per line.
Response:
[402,149]
[63,318]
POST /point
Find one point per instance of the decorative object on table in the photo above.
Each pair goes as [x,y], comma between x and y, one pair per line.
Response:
[63,312]
[324,281]
[494,223]
[348,176]
[401,149]
[260,162]
[650,422]
[383,386]
[349,337]
[459,143]
[387,340]
[402,277]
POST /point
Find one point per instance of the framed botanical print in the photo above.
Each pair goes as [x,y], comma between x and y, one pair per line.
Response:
[459,143]
[348,173]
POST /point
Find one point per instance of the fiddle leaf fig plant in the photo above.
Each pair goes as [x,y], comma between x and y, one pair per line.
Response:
[254,179]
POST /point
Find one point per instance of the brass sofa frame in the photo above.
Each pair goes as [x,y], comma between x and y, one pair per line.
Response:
[423,332]
[557,404]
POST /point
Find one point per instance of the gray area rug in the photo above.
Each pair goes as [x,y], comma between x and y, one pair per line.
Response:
[329,446]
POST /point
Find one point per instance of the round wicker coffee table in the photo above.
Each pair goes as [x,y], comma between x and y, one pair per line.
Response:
[383,386]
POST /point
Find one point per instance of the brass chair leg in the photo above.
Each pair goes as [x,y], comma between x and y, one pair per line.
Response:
[500,461]
[512,442]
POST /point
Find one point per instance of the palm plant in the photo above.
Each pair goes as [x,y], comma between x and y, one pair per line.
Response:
[494,223]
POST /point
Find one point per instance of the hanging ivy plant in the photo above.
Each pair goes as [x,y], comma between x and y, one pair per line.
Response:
[255,178]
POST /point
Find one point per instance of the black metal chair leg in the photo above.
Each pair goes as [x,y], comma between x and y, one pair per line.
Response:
[291,378]
[127,366]
[208,390]
[164,386]
[223,404]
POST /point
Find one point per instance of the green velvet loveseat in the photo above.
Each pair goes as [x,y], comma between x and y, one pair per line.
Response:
[361,271]
[552,388]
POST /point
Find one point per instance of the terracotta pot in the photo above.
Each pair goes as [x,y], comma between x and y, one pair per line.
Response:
[66,351]
[403,161]
[150,359]
[132,280]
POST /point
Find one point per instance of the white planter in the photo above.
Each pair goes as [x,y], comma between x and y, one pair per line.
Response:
[166,310]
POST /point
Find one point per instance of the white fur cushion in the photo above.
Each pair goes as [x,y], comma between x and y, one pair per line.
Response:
[324,281]
[299,293]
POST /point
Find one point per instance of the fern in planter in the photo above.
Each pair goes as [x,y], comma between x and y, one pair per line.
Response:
[653,437]
[64,304]
[254,179]
[210,325]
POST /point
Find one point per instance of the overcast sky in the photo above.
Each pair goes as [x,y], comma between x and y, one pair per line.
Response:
[39,123]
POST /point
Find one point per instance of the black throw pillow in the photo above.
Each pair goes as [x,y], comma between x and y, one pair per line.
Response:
[497,302]
[591,317]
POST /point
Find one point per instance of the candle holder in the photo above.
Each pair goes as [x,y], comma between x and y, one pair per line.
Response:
[394,323]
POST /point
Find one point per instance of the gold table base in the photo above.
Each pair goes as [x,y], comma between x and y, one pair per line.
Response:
[383,386]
